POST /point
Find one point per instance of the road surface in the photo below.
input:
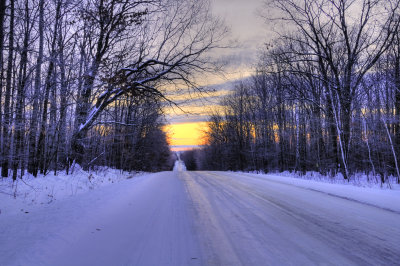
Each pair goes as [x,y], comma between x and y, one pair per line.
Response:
[221,218]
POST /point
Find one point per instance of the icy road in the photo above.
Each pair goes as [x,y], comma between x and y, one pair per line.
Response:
[203,218]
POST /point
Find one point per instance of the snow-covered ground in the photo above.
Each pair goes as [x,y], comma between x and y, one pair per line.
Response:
[179,166]
[195,218]
[362,190]
[137,221]
[31,192]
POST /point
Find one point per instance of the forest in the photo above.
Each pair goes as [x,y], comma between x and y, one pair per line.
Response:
[325,96]
[85,82]
[297,156]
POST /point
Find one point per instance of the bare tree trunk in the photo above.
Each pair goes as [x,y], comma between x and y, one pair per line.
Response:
[297,123]
[369,149]
[40,152]
[393,151]
[62,142]
[83,102]
[32,159]
[281,123]
[344,111]
[336,110]
[19,121]
[397,92]
[82,112]
[7,110]
[52,134]
[2,15]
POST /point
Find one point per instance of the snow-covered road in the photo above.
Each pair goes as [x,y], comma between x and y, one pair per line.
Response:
[202,218]
[247,220]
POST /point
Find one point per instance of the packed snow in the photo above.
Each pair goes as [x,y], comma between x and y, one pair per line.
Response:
[110,217]
[179,166]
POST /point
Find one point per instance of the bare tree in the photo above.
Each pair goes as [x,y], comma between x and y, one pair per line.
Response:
[7,98]
[171,42]
[95,71]
[32,160]
[345,47]
[2,30]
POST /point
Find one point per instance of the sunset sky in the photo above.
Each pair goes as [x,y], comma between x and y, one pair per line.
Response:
[186,126]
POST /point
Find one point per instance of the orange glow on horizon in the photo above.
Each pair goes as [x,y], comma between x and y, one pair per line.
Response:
[186,134]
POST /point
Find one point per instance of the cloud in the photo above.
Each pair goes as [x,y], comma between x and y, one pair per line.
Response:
[187,119]
[198,108]
[250,31]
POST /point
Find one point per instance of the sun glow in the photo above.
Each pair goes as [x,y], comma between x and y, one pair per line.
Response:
[185,136]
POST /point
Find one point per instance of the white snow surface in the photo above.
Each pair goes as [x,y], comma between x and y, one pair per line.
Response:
[361,190]
[195,218]
[179,166]
[31,192]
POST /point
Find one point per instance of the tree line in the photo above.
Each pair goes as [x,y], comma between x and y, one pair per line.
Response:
[325,96]
[86,81]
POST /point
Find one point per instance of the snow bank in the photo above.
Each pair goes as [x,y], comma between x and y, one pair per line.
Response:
[31,191]
[51,213]
[358,189]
